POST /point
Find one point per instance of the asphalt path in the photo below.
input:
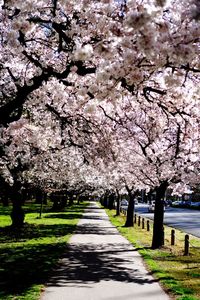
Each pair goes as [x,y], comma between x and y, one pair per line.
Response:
[187,220]
[100,264]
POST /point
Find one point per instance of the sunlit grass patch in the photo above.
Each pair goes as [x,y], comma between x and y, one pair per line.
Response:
[179,274]
[28,255]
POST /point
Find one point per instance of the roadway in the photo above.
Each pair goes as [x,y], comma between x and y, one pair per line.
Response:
[187,220]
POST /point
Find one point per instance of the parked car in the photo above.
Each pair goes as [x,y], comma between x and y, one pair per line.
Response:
[124,202]
[167,203]
[177,203]
[151,206]
[181,203]
[195,204]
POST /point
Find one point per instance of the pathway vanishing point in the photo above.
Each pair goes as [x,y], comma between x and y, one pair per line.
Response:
[100,264]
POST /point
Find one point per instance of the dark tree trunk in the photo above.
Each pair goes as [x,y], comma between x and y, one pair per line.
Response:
[157,240]
[131,209]
[41,208]
[118,204]
[63,202]
[149,196]
[45,198]
[56,203]
[144,196]
[105,199]
[38,197]
[71,201]
[4,199]
[111,199]
[17,214]
[43,201]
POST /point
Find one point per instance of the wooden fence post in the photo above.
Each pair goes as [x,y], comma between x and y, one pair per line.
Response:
[139,220]
[148,226]
[142,223]
[172,237]
[186,246]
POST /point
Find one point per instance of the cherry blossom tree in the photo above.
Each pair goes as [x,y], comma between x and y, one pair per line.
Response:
[157,145]
[100,88]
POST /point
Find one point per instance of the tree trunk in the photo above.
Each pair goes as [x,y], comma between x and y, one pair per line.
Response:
[144,196]
[17,214]
[130,211]
[45,198]
[4,199]
[105,199]
[71,201]
[41,208]
[111,199]
[63,202]
[38,197]
[56,203]
[157,240]
[118,204]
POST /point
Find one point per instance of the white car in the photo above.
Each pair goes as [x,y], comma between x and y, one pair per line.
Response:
[124,202]
[151,206]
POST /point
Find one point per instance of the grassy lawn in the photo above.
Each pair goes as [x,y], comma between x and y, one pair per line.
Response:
[179,274]
[27,256]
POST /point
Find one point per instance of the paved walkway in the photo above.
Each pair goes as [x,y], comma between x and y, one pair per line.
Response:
[100,264]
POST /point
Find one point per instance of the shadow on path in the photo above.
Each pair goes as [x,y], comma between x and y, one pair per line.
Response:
[98,230]
[94,259]
[101,264]
[92,263]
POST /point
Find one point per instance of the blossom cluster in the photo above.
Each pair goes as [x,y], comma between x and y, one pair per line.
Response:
[100,94]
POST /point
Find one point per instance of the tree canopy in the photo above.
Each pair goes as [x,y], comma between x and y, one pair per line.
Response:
[99,94]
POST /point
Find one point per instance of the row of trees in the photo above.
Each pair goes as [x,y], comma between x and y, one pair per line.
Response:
[99,96]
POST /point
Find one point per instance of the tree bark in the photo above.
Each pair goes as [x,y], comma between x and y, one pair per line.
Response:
[118,204]
[63,201]
[71,201]
[41,208]
[111,199]
[38,197]
[130,210]
[17,214]
[56,202]
[157,240]
[105,199]
[4,199]
[45,198]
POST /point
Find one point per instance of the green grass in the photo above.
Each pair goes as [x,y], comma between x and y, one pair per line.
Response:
[179,274]
[28,255]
